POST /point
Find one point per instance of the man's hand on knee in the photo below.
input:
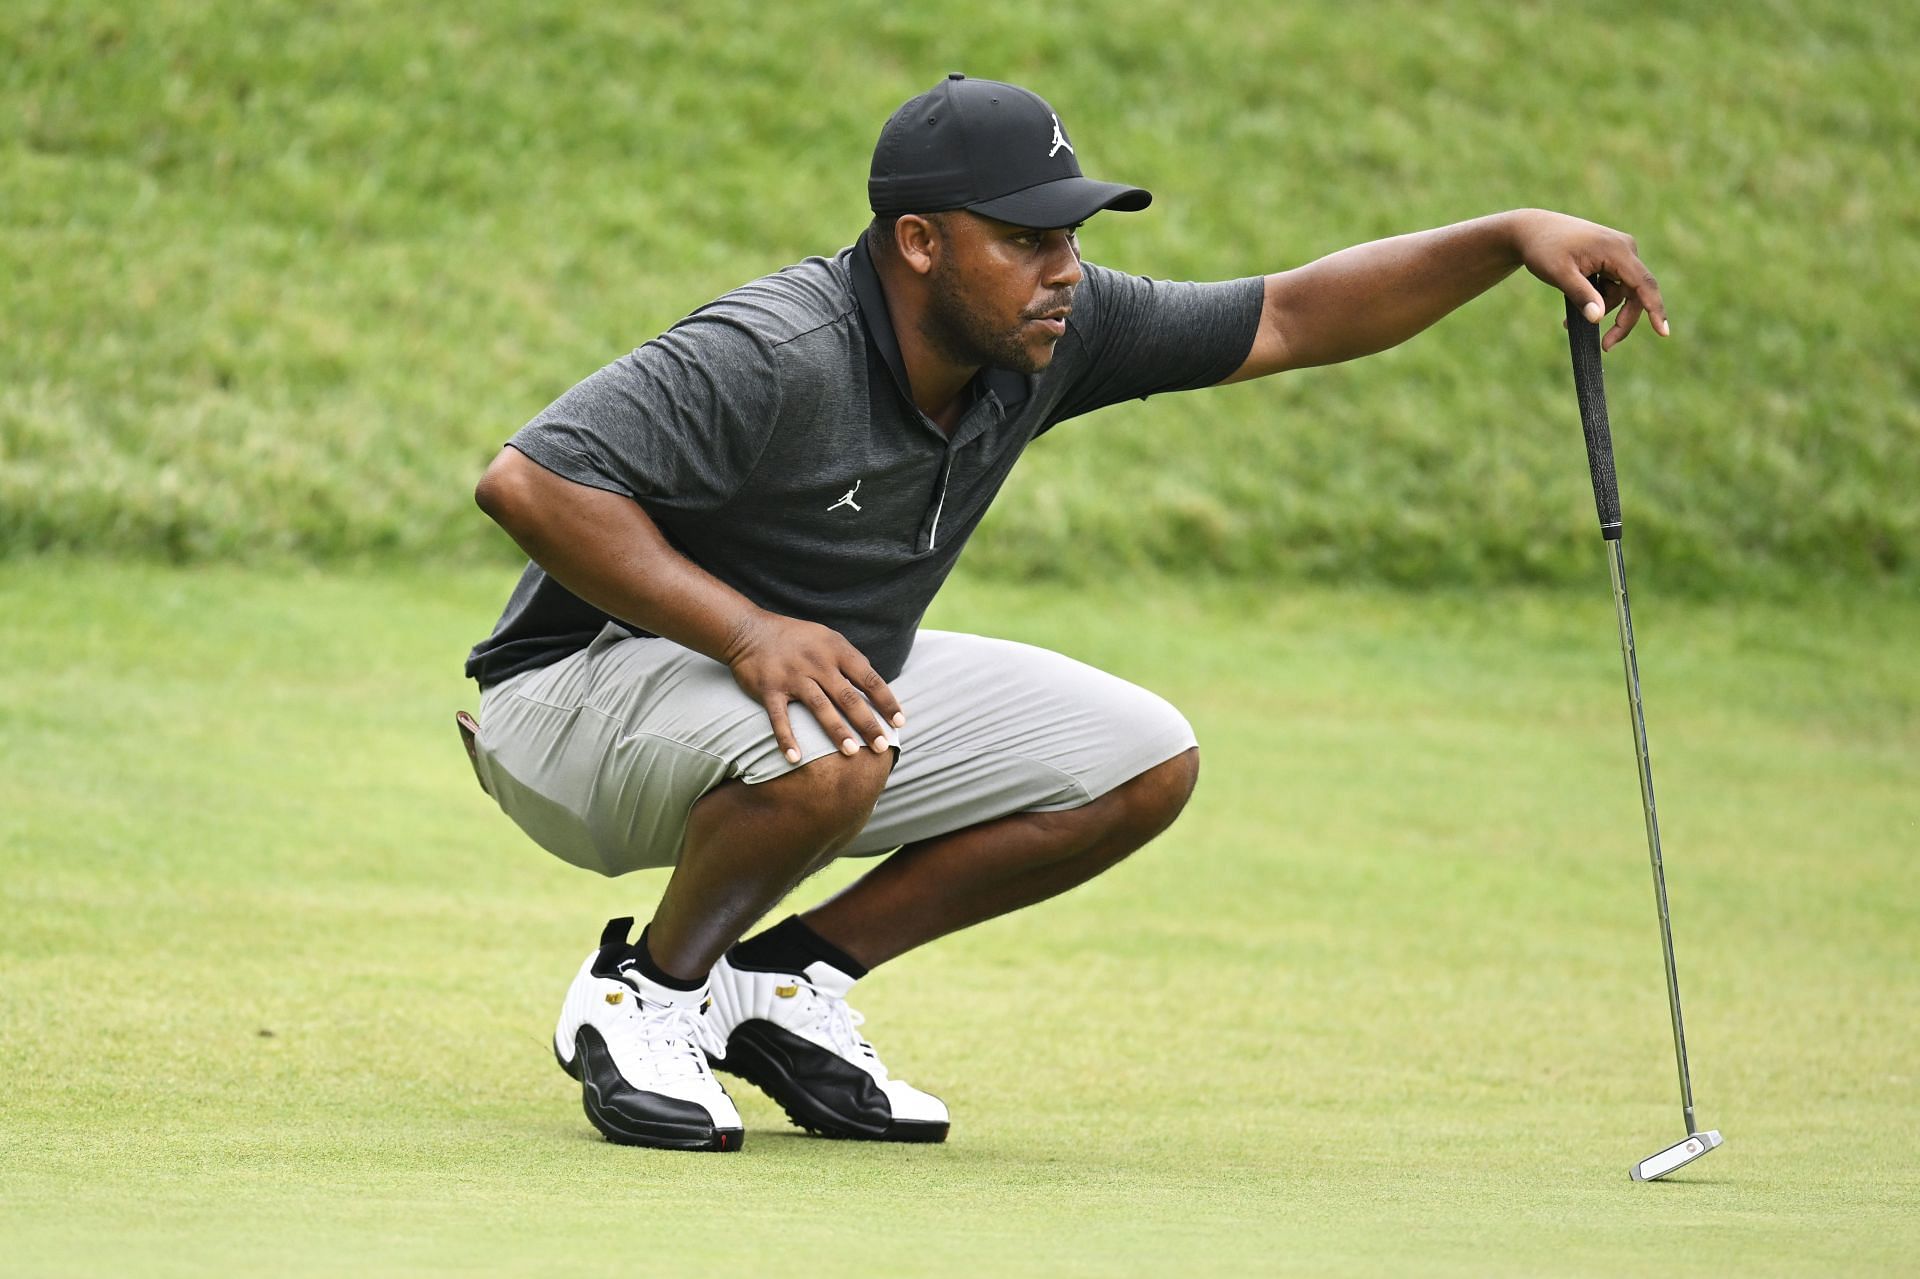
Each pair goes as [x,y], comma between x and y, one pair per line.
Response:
[780,660]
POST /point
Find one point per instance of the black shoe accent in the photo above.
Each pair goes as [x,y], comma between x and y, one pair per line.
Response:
[615,953]
[571,1067]
[617,957]
[820,1091]
[631,1117]
[919,1130]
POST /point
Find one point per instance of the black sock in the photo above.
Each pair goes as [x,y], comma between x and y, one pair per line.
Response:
[789,946]
[643,960]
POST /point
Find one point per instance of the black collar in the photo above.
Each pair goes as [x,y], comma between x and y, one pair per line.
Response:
[1005,385]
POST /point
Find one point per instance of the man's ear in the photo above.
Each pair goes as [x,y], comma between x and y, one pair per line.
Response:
[918,240]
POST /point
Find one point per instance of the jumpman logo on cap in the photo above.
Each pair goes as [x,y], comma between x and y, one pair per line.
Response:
[1059,140]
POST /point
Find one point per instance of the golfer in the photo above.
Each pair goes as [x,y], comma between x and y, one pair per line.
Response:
[715,662]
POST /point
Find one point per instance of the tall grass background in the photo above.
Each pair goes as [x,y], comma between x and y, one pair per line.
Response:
[278,278]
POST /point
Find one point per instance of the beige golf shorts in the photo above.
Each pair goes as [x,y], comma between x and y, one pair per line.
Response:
[599,756]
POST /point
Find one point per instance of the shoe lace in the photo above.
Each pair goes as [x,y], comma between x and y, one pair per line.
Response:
[837,1020]
[666,1035]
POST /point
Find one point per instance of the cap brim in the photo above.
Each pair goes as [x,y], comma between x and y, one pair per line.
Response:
[1063,202]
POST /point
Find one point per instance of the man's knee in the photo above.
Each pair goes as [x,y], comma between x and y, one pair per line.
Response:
[1151,801]
[834,792]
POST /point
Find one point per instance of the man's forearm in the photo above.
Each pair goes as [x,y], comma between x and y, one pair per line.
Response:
[1376,295]
[604,548]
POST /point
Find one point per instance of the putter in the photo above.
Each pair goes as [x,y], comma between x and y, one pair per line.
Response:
[1583,339]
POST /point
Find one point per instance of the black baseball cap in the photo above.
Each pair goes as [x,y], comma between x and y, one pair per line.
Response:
[991,148]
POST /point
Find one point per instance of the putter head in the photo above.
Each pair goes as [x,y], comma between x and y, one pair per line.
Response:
[1680,1155]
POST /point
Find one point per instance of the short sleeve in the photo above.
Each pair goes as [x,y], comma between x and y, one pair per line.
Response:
[1140,337]
[677,425]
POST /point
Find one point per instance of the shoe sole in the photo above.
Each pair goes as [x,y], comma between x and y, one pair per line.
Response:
[764,1071]
[628,1130]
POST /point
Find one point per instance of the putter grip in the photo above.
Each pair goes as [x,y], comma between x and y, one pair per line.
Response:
[1583,340]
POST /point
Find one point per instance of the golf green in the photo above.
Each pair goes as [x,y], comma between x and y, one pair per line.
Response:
[276,980]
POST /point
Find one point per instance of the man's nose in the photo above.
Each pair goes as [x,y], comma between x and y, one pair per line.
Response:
[1063,264]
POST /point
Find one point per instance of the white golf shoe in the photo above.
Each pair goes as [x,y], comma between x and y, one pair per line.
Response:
[792,1036]
[637,1049]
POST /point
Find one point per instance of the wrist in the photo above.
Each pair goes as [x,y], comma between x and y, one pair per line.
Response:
[1514,228]
[739,636]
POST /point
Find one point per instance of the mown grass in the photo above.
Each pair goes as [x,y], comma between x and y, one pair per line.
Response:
[275,977]
[279,277]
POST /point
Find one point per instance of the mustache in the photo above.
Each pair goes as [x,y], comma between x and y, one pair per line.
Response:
[1055,302]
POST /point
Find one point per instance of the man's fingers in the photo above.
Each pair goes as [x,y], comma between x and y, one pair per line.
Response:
[1632,289]
[868,681]
[1576,286]
[1646,292]
[1631,283]
[836,725]
[776,706]
[1622,324]
[854,706]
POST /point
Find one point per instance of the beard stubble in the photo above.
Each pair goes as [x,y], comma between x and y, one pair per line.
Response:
[965,335]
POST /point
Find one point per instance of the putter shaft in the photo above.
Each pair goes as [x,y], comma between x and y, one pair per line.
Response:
[1624,613]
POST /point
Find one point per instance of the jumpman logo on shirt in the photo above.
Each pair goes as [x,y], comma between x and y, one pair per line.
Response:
[1059,140]
[848,499]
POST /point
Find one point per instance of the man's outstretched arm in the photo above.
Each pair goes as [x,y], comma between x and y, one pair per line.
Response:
[1377,295]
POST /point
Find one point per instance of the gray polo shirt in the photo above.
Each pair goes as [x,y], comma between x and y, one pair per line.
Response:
[772,438]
